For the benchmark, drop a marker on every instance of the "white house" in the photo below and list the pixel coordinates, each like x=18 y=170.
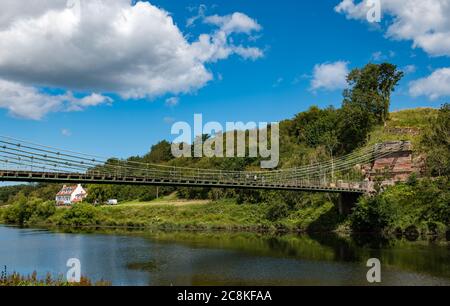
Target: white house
x=70 y=195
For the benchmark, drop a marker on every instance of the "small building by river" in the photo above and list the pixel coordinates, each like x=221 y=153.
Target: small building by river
x=70 y=195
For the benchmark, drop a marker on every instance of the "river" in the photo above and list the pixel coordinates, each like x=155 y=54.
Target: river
x=160 y=258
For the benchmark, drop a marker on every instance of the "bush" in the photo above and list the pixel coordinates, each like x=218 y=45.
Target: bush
x=80 y=215
x=25 y=211
x=370 y=215
x=421 y=203
x=277 y=211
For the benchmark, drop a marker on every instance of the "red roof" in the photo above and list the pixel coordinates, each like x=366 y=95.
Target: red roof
x=67 y=190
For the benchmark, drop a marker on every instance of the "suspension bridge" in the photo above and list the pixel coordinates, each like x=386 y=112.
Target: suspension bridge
x=22 y=161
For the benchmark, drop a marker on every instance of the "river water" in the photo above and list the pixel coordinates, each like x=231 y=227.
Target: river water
x=159 y=258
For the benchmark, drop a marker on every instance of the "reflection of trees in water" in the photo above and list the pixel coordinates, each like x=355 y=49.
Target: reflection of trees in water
x=422 y=256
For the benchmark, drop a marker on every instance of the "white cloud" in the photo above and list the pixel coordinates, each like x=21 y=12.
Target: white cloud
x=217 y=46
x=330 y=76
x=13 y=10
x=169 y=120
x=434 y=86
x=27 y=102
x=66 y=132
x=235 y=23
x=200 y=15
x=173 y=101
x=408 y=69
x=30 y=103
x=379 y=56
x=79 y=104
x=278 y=82
x=352 y=10
x=107 y=47
x=425 y=22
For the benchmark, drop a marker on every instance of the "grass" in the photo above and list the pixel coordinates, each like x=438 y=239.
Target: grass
x=17 y=280
x=174 y=214
x=417 y=117
x=398 y=124
x=170 y=200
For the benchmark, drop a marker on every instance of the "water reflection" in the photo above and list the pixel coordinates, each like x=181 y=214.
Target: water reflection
x=182 y=258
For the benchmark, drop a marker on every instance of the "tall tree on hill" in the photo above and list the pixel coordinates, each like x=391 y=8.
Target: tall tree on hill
x=366 y=103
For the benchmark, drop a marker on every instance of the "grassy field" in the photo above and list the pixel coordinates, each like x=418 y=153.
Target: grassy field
x=171 y=213
x=168 y=214
x=400 y=122
x=417 y=117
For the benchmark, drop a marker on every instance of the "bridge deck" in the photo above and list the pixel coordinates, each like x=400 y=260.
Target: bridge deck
x=54 y=177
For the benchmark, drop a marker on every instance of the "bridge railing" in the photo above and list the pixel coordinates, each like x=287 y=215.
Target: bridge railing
x=24 y=156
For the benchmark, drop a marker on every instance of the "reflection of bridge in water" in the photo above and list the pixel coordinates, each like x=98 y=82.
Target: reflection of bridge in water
x=22 y=161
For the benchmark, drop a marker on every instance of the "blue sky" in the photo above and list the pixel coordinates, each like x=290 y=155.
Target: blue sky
x=294 y=38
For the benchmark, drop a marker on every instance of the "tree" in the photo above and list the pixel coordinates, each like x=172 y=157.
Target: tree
x=331 y=142
x=371 y=88
x=99 y=194
x=354 y=125
x=313 y=126
x=159 y=153
x=436 y=143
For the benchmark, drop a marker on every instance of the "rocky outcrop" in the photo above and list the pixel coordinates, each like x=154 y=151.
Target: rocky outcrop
x=394 y=166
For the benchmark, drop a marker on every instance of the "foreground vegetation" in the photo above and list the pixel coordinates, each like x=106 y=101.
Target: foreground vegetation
x=17 y=280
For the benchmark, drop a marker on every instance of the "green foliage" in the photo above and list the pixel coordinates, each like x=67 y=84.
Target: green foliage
x=312 y=136
x=99 y=194
x=371 y=88
x=25 y=211
x=9 y=192
x=370 y=215
x=413 y=118
x=354 y=126
x=366 y=103
x=193 y=193
x=421 y=203
x=277 y=211
x=436 y=143
x=80 y=215
x=17 y=280
x=315 y=126
x=159 y=153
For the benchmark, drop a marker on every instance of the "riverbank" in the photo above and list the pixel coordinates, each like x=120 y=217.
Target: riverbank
x=418 y=208
x=174 y=214
x=185 y=258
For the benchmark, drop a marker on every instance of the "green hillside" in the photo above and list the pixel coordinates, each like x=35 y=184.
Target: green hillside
x=312 y=136
x=406 y=124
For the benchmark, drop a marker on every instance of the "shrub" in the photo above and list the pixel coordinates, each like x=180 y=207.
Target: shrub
x=25 y=211
x=370 y=215
x=277 y=211
x=418 y=203
x=80 y=215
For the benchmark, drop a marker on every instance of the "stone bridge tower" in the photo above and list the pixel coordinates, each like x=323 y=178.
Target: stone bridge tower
x=395 y=166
